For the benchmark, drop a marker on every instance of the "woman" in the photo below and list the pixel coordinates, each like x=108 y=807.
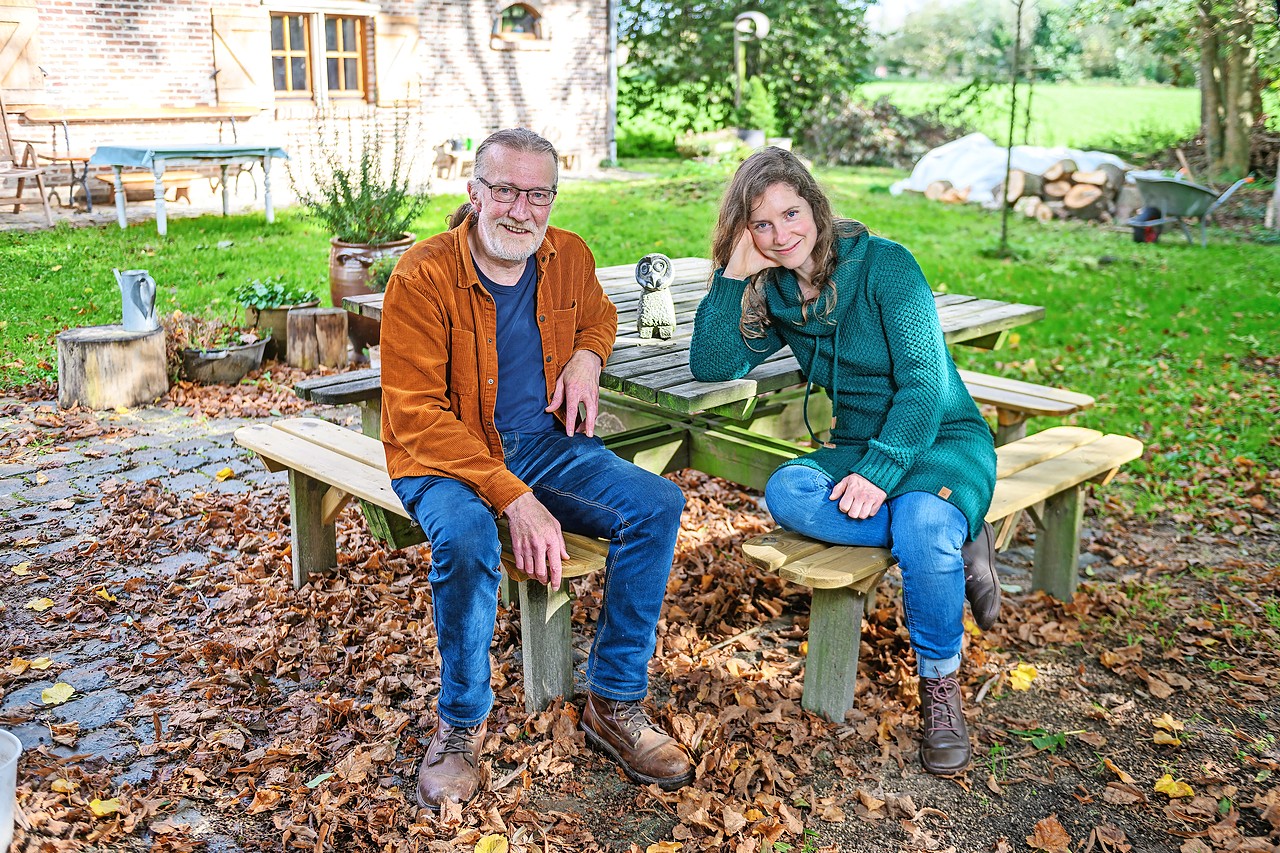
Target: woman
x=909 y=463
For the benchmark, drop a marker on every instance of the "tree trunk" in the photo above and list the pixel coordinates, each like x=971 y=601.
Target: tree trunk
x=1085 y=201
x=1210 y=85
x=102 y=367
x=934 y=191
x=1054 y=190
x=1241 y=71
x=1058 y=171
x=317 y=336
x=1021 y=184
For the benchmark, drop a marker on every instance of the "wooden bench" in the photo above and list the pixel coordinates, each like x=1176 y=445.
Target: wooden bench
x=329 y=465
x=1015 y=401
x=178 y=180
x=359 y=387
x=1044 y=474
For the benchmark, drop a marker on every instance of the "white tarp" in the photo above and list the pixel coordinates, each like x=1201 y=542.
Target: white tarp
x=974 y=161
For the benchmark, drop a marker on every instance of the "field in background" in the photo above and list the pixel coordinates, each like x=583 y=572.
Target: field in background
x=1075 y=115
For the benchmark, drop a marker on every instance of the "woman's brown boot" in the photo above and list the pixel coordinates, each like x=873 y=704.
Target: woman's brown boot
x=944 y=746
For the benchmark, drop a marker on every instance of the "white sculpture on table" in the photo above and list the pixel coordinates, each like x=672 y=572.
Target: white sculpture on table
x=656 y=315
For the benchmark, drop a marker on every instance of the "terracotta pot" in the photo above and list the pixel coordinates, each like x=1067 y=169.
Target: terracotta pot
x=348 y=273
x=277 y=320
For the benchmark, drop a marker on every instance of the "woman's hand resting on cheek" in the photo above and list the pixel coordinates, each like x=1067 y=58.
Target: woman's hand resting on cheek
x=746 y=259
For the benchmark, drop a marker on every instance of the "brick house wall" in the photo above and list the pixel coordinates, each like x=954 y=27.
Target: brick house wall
x=460 y=81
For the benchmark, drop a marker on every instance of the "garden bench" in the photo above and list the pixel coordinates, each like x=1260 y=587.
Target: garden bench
x=1043 y=474
x=359 y=387
x=1015 y=401
x=329 y=465
x=178 y=180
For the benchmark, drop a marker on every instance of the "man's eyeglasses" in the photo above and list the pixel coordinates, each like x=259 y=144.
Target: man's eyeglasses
x=504 y=194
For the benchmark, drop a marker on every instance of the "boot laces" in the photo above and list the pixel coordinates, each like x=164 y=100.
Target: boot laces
x=633 y=717
x=942 y=715
x=459 y=740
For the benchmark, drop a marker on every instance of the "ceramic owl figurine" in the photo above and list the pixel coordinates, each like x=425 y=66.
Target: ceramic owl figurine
x=656 y=316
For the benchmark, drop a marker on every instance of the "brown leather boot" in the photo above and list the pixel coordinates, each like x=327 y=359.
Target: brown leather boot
x=944 y=748
x=450 y=771
x=981 y=583
x=624 y=731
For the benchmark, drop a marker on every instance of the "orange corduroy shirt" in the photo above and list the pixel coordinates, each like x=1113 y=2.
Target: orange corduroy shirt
x=440 y=364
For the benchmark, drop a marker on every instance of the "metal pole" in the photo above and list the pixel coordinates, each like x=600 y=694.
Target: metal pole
x=739 y=67
x=611 y=115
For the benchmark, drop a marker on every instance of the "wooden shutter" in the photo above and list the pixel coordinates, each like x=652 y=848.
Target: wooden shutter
x=20 y=77
x=395 y=58
x=242 y=56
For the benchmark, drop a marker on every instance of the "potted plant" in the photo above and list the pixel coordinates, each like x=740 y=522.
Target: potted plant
x=362 y=190
x=211 y=351
x=267 y=302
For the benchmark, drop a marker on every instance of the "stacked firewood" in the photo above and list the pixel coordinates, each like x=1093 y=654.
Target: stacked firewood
x=1061 y=192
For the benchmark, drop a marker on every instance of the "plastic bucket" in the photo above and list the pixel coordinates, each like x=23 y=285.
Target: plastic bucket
x=10 y=750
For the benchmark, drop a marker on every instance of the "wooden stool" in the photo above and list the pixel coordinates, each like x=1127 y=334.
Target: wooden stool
x=102 y=367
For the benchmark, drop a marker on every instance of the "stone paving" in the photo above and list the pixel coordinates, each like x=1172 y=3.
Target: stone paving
x=50 y=498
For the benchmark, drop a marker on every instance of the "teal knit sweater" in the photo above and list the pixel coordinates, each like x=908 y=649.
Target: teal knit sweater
x=903 y=418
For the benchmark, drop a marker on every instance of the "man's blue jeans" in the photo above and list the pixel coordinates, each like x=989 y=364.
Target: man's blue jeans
x=925 y=533
x=590 y=491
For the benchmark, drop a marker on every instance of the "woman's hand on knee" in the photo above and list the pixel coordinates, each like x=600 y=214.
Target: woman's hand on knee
x=858 y=496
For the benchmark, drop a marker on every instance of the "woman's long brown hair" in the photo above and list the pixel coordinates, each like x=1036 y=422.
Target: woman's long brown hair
x=757 y=173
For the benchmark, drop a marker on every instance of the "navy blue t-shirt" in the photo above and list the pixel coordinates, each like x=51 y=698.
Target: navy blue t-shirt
x=522 y=389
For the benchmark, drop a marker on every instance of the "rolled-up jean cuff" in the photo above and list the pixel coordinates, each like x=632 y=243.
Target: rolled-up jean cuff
x=929 y=668
x=458 y=724
x=614 y=696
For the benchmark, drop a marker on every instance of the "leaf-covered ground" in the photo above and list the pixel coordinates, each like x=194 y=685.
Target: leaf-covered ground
x=247 y=716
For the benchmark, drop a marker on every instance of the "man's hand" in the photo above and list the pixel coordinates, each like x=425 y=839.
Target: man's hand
x=858 y=496
x=579 y=382
x=536 y=541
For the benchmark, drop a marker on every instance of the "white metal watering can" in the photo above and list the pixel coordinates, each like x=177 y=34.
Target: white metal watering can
x=138 y=293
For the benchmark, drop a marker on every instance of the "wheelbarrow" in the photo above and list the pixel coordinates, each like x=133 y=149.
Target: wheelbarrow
x=1179 y=201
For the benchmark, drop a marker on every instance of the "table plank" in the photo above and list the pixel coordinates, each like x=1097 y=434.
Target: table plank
x=658 y=372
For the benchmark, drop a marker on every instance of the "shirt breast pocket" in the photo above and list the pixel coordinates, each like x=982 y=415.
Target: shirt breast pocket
x=464 y=376
x=564 y=323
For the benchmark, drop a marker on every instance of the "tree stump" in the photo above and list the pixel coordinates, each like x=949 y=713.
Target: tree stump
x=1060 y=171
x=102 y=367
x=1022 y=184
x=934 y=191
x=317 y=336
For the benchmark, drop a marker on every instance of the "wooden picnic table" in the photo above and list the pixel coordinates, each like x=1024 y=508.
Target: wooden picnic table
x=658 y=372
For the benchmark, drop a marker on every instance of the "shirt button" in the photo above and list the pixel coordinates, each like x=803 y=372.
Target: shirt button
x=542 y=318
x=490 y=340
x=490 y=381
x=548 y=359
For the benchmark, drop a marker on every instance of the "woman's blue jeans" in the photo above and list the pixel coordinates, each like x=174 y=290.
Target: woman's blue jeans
x=925 y=533
x=591 y=492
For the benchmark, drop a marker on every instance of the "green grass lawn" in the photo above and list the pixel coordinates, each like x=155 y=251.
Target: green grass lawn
x=1075 y=115
x=1177 y=343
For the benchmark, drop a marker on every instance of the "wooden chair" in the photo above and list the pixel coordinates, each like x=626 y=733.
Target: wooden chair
x=20 y=164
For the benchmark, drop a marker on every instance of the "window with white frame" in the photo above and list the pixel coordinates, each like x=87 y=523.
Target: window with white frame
x=320 y=53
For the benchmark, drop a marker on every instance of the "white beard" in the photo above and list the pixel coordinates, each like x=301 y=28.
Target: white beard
x=503 y=244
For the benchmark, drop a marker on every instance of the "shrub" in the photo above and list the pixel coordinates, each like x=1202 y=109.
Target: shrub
x=758 y=111
x=876 y=134
x=712 y=145
x=360 y=185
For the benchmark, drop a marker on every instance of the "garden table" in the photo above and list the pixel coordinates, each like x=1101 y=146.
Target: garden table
x=158 y=157
x=675 y=421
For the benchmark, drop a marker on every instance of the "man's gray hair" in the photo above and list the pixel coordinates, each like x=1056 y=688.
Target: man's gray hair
x=516 y=139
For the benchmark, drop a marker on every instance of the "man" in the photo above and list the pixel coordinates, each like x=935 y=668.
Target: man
x=493 y=337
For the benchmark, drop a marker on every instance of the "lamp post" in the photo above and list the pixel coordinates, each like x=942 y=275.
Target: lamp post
x=749 y=26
